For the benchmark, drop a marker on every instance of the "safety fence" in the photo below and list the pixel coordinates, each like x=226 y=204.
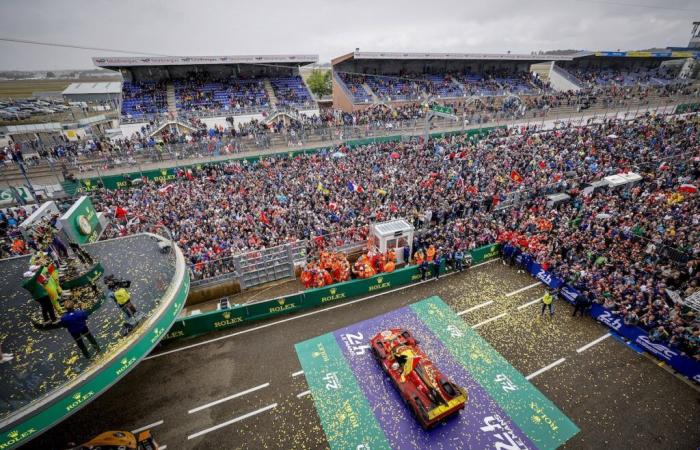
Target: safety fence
x=243 y=314
x=640 y=337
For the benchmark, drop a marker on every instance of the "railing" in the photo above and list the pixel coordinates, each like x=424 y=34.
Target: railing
x=119 y=160
x=565 y=74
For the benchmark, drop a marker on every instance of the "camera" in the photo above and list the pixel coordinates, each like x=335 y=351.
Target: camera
x=114 y=282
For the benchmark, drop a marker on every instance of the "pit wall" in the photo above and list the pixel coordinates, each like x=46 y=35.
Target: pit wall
x=312 y=298
x=123 y=180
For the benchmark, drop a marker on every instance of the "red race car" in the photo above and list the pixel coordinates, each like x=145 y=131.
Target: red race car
x=431 y=396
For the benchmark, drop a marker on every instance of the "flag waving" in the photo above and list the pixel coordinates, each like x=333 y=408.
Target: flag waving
x=515 y=176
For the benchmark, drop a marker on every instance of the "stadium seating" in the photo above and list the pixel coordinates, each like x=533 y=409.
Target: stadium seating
x=214 y=95
x=592 y=76
x=411 y=86
x=291 y=91
x=353 y=84
x=143 y=98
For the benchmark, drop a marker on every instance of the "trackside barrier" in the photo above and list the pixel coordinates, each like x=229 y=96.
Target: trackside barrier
x=673 y=357
x=687 y=108
x=312 y=298
x=123 y=180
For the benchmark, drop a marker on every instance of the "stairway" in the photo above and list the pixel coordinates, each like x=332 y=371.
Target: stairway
x=542 y=70
x=461 y=86
x=172 y=102
x=270 y=93
x=371 y=93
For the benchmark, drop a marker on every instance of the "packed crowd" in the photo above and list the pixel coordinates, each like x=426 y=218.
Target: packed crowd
x=278 y=200
x=596 y=76
x=203 y=93
x=413 y=86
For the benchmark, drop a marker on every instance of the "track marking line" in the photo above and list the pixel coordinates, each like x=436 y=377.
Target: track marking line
x=303 y=394
x=151 y=425
x=234 y=420
x=296 y=374
x=311 y=313
x=592 y=343
x=474 y=308
x=162 y=447
x=545 y=368
x=489 y=320
x=530 y=303
x=510 y=294
x=230 y=397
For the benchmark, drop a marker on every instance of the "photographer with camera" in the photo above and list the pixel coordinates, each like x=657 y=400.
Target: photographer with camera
x=117 y=291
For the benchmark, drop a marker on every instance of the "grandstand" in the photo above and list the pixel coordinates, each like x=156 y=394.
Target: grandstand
x=364 y=78
x=361 y=79
x=211 y=88
x=604 y=69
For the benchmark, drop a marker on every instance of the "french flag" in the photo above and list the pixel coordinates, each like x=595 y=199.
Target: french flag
x=352 y=187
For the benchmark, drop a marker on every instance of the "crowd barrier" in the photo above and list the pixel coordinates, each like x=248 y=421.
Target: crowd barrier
x=681 y=363
x=687 y=108
x=312 y=298
x=123 y=180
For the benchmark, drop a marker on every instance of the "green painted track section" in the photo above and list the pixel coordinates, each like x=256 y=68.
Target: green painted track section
x=536 y=415
x=345 y=415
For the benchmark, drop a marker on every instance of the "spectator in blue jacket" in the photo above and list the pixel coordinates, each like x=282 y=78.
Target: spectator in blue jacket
x=76 y=322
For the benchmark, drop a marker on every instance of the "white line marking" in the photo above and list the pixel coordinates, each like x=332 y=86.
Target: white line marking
x=592 y=343
x=296 y=374
x=510 y=294
x=234 y=420
x=488 y=320
x=162 y=447
x=302 y=394
x=230 y=397
x=473 y=308
x=530 y=303
x=152 y=425
x=545 y=368
x=318 y=311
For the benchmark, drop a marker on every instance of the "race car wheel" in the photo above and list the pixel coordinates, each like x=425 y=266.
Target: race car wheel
x=376 y=352
x=421 y=409
x=449 y=389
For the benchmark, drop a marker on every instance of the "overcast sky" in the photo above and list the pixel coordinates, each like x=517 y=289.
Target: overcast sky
x=330 y=28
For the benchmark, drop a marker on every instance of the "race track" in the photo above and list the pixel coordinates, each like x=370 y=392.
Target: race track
x=243 y=388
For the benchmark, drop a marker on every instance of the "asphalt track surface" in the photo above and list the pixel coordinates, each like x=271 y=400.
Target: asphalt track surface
x=242 y=388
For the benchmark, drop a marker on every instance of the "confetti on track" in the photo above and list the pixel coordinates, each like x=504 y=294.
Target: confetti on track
x=52 y=355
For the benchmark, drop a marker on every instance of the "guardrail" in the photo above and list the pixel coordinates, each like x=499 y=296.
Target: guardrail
x=312 y=298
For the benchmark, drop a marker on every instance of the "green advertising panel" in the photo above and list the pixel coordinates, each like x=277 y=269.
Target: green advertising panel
x=80 y=222
x=312 y=298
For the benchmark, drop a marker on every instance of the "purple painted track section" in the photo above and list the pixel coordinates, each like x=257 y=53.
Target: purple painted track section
x=399 y=426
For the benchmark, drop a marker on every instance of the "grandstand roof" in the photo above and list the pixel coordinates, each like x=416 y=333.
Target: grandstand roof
x=449 y=56
x=112 y=87
x=139 y=61
x=656 y=54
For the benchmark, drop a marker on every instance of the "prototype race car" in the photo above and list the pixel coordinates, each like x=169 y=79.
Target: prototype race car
x=120 y=440
x=431 y=396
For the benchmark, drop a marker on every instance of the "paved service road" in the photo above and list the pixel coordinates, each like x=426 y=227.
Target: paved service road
x=242 y=388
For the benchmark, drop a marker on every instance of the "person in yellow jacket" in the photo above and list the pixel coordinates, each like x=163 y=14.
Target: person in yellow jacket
x=548 y=302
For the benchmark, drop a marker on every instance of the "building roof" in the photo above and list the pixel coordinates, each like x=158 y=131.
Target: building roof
x=391 y=227
x=449 y=56
x=137 y=61
x=111 y=87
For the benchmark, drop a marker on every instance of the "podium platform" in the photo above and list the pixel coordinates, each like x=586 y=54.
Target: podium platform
x=49 y=378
